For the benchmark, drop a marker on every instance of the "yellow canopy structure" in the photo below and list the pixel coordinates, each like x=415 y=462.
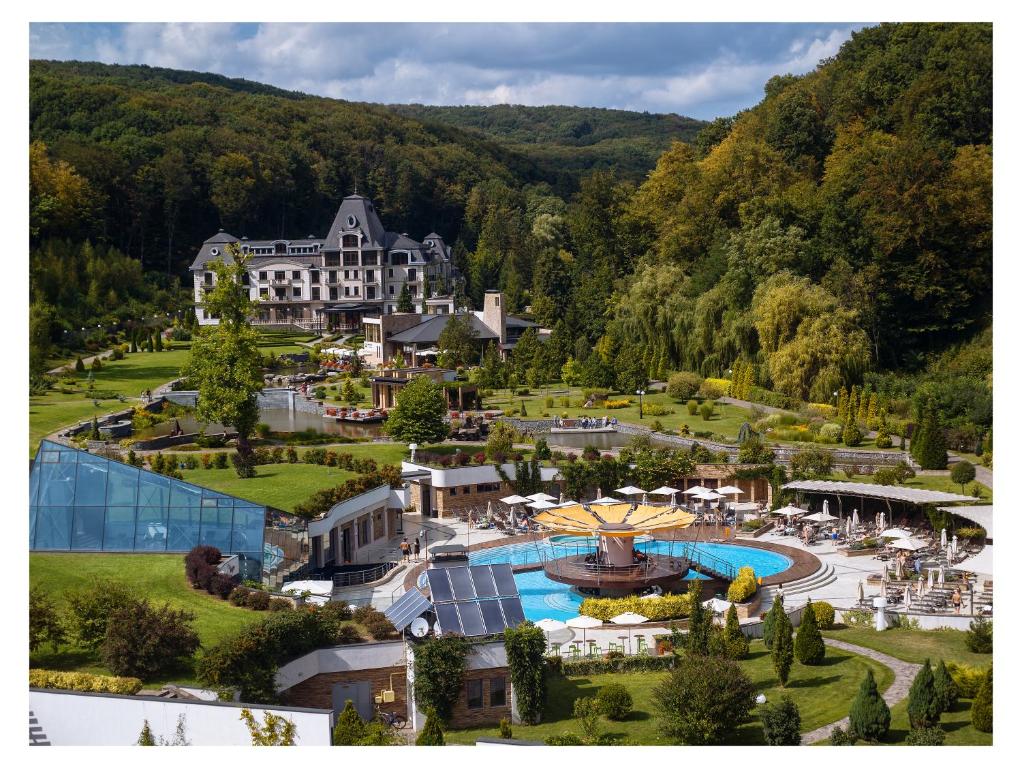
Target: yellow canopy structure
x=613 y=513
x=614 y=519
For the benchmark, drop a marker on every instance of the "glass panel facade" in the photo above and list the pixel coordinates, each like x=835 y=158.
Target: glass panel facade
x=83 y=502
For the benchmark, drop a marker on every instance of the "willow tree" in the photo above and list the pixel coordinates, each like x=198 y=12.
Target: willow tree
x=225 y=363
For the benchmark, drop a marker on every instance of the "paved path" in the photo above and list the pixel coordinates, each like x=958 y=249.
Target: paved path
x=904 y=674
x=87 y=361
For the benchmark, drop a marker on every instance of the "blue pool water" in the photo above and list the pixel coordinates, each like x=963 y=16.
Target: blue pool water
x=543 y=598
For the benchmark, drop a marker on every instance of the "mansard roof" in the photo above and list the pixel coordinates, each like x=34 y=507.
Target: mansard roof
x=366 y=219
x=214 y=249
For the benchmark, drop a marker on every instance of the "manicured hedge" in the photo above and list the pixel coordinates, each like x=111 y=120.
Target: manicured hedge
x=82 y=681
x=584 y=667
x=653 y=608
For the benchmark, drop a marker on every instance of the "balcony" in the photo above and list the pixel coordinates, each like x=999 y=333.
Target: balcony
x=285 y=281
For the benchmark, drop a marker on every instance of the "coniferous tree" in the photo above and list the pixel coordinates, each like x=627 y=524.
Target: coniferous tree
x=983 y=705
x=851 y=435
x=782 y=723
x=145 y=738
x=929 y=446
x=432 y=734
x=733 y=641
x=944 y=686
x=809 y=647
x=873 y=411
x=883 y=438
x=862 y=415
x=697 y=641
x=782 y=651
x=350 y=728
x=404 y=300
x=842 y=405
x=159 y=341
x=923 y=704
x=776 y=609
x=79 y=365
x=869 y=717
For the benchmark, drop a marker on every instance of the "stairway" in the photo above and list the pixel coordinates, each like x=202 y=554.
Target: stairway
x=823 y=576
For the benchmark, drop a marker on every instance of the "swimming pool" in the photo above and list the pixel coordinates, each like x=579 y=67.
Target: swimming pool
x=543 y=598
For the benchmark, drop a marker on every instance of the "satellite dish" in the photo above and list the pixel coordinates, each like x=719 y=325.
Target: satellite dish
x=436 y=629
x=419 y=627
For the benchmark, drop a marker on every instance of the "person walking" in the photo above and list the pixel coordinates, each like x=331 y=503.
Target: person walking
x=404 y=550
x=956 y=599
x=416 y=549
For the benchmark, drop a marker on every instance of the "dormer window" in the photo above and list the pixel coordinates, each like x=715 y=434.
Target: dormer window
x=279 y=248
x=349 y=241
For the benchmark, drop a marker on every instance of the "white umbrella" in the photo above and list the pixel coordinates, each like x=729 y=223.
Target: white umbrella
x=919 y=587
x=693 y=490
x=562 y=498
x=895 y=533
x=583 y=623
x=629 y=490
x=708 y=496
x=664 y=490
x=929 y=579
x=550 y=625
x=883 y=521
x=855 y=518
x=605 y=500
x=862 y=592
x=943 y=538
x=897 y=569
x=950 y=554
x=820 y=517
x=848 y=526
x=908 y=598
x=731 y=490
x=908 y=544
x=629 y=618
x=789 y=511
x=516 y=499
x=542 y=497
x=954 y=544
x=940 y=574
x=541 y=504
x=717 y=605
x=826 y=506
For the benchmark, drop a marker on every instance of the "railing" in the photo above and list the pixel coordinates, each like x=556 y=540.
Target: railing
x=716 y=565
x=364 y=576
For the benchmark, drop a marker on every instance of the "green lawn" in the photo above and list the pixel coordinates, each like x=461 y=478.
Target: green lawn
x=915 y=645
x=276 y=485
x=127 y=377
x=823 y=694
x=158 y=577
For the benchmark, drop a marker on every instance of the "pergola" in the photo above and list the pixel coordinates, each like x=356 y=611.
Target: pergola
x=887 y=493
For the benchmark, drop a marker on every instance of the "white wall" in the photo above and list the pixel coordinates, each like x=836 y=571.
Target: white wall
x=99 y=719
x=339 y=659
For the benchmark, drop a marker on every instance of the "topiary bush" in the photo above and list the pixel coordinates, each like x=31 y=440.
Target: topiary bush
x=615 y=701
x=221 y=585
x=280 y=604
x=661 y=608
x=350 y=728
x=824 y=614
x=926 y=737
x=869 y=717
x=923 y=704
x=82 y=681
x=505 y=729
x=967 y=680
x=432 y=734
x=200 y=565
x=744 y=585
x=809 y=647
x=683 y=385
x=945 y=688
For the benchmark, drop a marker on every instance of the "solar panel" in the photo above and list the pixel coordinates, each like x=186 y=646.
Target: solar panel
x=407 y=608
x=439 y=586
x=504 y=580
x=513 y=613
x=461 y=581
x=482 y=577
x=471 y=620
x=447 y=618
x=492 y=616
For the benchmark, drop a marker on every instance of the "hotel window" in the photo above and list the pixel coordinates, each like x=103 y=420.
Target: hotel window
x=391 y=289
x=296 y=275
x=454 y=491
x=278 y=275
x=390 y=273
x=351 y=258
x=296 y=291
x=370 y=275
x=333 y=294
x=411 y=275
x=347 y=291
x=264 y=293
x=356 y=290
x=332 y=259
x=314 y=276
x=262 y=275
x=371 y=292
x=498 y=692
x=331 y=276
x=208 y=278
x=397 y=259
x=244 y=279
x=474 y=694
x=315 y=293
x=350 y=241
x=369 y=259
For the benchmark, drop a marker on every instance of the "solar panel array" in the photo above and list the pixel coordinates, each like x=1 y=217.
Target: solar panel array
x=407 y=608
x=475 y=600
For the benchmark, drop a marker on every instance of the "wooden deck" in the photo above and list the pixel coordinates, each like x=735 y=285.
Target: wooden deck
x=659 y=571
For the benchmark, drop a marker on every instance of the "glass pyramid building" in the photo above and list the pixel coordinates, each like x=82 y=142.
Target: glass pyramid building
x=81 y=502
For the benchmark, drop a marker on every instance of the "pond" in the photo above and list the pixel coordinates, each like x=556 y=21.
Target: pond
x=279 y=420
x=600 y=440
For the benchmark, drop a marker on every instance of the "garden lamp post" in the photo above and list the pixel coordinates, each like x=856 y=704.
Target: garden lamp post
x=835 y=397
x=640 y=393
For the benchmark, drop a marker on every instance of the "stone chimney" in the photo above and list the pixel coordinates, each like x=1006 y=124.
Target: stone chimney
x=494 y=316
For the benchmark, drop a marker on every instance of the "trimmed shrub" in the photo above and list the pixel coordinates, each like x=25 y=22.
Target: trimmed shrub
x=347 y=634
x=926 y=737
x=683 y=385
x=661 y=608
x=615 y=701
x=744 y=585
x=200 y=566
x=706 y=411
x=983 y=705
x=711 y=389
x=967 y=680
x=280 y=604
x=869 y=717
x=221 y=585
x=842 y=738
x=622 y=663
x=923 y=704
x=782 y=723
x=143 y=640
x=809 y=647
x=692 y=407
x=350 y=728
x=238 y=596
x=257 y=600
x=220 y=460
x=379 y=627
x=824 y=613
x=82 y=681
x=505 y=729
x=431 y=734
x=88 y=611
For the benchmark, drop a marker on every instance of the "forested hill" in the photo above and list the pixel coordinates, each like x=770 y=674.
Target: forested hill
x=573 y=138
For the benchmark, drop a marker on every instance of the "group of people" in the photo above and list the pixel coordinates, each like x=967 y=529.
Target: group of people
x=408 y=551
x=146 y=397
x=587 y=422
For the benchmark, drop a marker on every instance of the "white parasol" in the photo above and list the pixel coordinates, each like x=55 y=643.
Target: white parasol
x=717 y=605
x=583 y=623
x=826 y=506
x=919 y=586
x=694 y=490
x=940 y=574
x=896 y=533
x=908 y=598
x=629 y=490
x=862 y=592
x=819 y=517
x=929 y=579
x=789 y=511
x=629 y=618
x=708 y=496
x=605 y=500
x=516 y=499
x=562 y=498
x=950 y=555
x=541 y=504
x=910 y=545
x=855 y=518
x=954 y=544
x=943 y=538
x=883 y=521
x=549 y=626
x=542 y=497
x=664 y=490
x=730 y=490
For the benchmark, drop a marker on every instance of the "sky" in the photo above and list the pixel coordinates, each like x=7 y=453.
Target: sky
x=699 y=70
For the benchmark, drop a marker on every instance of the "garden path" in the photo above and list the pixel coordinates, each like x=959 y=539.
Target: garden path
x=904 y=674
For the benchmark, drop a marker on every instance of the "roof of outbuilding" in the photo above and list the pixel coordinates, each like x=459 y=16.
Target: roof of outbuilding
x=875 y=491
x=429 y=331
